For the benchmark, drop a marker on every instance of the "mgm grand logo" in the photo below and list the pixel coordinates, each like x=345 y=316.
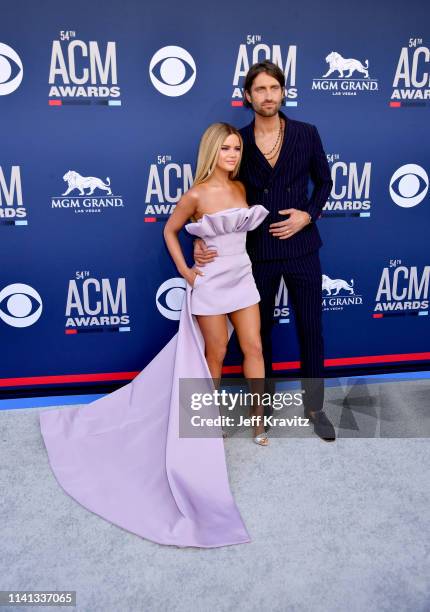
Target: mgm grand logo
x=86 y=194
x=338 y=293
x=345 y=76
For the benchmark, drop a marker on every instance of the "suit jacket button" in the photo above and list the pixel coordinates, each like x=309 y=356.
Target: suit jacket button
x=288 y=189
x=266 y=190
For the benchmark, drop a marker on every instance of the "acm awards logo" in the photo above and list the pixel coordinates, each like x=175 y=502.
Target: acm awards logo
x=93 y=304
x=83 y=73
x=411 y=83
x=339 y=293
x=20 y=305
x=167 y=182
x=172 y=71
x=11 y=70
x=350 y=194
x=402 y=290
x=86 y=194
x=345 y=76
x=281 y=312
x=12 y=208
x=253 y=51
x=409 y=185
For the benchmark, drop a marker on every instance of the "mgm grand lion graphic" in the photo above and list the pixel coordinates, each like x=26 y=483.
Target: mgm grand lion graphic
x=335 y=285
x=76 y=181
x=339 y=63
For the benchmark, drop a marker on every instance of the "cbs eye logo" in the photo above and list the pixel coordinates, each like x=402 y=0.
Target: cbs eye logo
x=409 y=185
x=172 y=71
x=11 y=70
x=170 y=296
x=17 y=301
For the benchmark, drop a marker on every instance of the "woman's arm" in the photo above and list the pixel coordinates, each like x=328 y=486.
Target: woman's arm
x=185 y=208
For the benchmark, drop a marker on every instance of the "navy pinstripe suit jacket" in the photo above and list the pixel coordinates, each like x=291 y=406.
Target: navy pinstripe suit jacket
x=286 y=186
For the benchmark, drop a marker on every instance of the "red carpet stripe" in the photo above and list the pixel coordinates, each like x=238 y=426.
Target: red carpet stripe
x=233 y=369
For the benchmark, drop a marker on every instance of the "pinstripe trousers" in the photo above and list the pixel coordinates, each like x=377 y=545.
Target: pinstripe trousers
x=302 y=277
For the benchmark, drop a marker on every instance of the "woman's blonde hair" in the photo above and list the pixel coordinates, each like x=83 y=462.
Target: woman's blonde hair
x=209 y=148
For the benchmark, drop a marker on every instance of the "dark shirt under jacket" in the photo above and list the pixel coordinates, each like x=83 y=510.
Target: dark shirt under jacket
x=286 y=186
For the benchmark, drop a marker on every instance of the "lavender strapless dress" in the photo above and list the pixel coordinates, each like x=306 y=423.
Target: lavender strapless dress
x=121 y=456
x=228 y=283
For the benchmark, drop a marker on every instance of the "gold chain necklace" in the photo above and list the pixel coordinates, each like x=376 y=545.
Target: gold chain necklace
x=277 y=139
x=278 y=142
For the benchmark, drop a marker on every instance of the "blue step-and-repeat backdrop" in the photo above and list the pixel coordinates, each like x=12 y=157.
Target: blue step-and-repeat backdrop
x=102 y=106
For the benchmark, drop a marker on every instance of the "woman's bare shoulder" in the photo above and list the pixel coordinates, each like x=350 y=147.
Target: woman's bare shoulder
x=241 y=190
x=192 y=200
x=196 y=192
x=240 y=186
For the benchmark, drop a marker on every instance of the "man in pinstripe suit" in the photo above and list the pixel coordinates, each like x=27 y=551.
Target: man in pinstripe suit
x=279 y=157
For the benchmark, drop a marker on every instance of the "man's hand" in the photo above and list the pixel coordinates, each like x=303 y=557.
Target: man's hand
x=203 y=255
x=296 y=222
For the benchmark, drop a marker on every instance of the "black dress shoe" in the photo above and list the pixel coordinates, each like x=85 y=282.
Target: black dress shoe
x=323 y=427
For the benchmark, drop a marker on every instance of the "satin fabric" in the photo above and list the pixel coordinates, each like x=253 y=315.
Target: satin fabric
x=121 y=456
x=228 y=283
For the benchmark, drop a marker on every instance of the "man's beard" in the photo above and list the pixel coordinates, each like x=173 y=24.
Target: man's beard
x=268 y=112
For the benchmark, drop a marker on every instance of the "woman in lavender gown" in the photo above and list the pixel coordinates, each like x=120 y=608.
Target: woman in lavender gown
x=121 y=456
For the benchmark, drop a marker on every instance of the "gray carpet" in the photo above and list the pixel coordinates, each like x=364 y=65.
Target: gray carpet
x=335 y=526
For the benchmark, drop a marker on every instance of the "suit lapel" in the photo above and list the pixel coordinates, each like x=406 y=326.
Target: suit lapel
x=287 y=148
x=256 y=155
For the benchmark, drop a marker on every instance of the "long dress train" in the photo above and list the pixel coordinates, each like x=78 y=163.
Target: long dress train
x=121 y=456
